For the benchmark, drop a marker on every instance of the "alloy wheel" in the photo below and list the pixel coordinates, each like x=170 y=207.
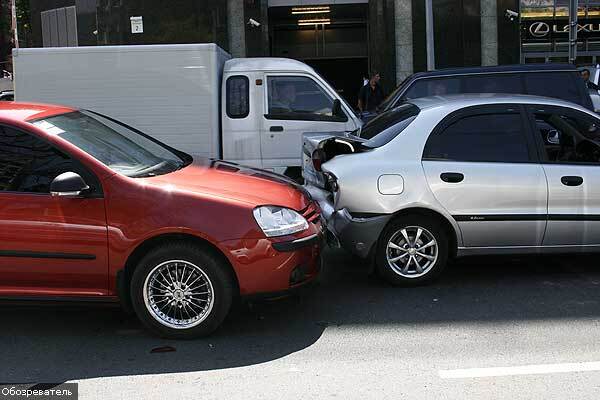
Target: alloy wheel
x=412 y=251
x=178 y=294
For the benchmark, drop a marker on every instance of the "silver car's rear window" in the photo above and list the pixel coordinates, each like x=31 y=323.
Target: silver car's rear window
x=386 y=126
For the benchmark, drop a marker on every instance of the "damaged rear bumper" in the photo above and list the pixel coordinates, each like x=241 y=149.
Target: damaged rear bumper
x=356 y=235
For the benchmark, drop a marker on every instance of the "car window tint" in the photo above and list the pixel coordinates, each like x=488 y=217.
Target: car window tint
x=238 y=90
x=116 y=145
x=496 y=83
x=480 y=138
x=569 y=137
x=386 y=126
x=433 y=87
x=298 y=97
x=392 y=99
x=560 y=85
x=27 y=164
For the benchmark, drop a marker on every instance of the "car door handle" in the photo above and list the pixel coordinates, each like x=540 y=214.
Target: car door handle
x=276 y=129
x=571 y=180
x=452 y=177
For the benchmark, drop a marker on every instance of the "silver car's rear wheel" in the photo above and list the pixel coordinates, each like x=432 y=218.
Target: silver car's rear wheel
x=178 y=294
x=412 y=251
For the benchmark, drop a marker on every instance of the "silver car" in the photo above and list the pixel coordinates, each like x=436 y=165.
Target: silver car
x=460 y=175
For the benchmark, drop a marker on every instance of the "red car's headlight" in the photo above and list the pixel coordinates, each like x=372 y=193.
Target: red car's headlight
x=279 y=221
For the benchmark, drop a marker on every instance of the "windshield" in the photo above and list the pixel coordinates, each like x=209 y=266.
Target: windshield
x=338 y=97
x=121 y=148
x=386 y=126
x=387 y=102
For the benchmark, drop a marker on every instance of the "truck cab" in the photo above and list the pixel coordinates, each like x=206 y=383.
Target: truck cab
x=268 y=103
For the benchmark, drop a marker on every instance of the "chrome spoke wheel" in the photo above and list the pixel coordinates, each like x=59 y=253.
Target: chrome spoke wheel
x=178 y=294
x=412 y=251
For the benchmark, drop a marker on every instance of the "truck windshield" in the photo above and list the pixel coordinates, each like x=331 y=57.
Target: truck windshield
x=123 y=149
x=349 y=107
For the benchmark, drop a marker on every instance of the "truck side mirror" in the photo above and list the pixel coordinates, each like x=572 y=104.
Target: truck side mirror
x=336 y=109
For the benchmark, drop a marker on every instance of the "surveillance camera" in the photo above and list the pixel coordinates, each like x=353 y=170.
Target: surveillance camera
x=510 y=14
x=253 y=23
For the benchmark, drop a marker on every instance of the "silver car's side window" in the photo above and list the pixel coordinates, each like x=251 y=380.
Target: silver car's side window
x=485 y=137
x=568 y=136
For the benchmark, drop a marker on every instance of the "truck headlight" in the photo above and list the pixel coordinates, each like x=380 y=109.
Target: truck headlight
x=279 y=221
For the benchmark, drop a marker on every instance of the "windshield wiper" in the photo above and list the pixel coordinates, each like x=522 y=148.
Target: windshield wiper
x=161 y=168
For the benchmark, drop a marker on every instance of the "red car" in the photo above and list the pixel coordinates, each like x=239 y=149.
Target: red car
x=92 y=209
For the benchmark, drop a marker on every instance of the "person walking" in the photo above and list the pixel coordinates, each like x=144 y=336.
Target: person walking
x=585 y=75
x=370 y=95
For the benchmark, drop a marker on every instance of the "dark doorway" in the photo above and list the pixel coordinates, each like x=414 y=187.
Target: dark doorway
x=344 y=74
x=333 y=39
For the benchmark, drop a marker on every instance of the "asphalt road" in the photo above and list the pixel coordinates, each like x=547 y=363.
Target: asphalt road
x=490 y=328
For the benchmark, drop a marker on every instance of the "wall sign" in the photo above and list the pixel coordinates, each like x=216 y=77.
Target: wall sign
x=550 y=29
x=137 y=24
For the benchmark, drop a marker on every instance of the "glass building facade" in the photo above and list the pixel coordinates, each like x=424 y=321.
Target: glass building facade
x=175 y=21
x=107 y=22
x=545 y=31
x=363 y=36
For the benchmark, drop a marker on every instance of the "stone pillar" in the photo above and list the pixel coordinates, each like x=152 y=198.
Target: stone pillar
x=382 y=49
x=489 y=32
x=404 y=39
x=264 y=20
x=236 y=28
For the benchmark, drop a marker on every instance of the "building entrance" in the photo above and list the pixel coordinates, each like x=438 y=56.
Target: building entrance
x=333 y=39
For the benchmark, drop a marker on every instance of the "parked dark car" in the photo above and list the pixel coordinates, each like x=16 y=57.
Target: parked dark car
x=561 y=81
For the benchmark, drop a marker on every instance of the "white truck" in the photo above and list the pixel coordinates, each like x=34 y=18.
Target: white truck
x=194 y=97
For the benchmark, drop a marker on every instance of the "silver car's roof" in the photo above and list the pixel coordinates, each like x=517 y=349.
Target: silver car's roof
x=458 y=101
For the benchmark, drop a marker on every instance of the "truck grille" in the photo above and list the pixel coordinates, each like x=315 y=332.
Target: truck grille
x=312 y=213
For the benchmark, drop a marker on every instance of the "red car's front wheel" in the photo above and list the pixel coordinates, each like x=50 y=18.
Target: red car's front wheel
x=181 y=291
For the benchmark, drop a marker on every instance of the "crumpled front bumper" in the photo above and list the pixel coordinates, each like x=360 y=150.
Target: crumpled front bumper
x=357 y=235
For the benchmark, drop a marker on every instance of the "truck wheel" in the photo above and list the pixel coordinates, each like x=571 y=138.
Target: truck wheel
x=181 y=291
x=412 y=250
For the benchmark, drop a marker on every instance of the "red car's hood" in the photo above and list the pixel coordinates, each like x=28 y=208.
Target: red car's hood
x=231 y=181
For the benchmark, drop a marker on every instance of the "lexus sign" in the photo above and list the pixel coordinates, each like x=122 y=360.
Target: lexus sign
x=539 y=29
x=559 y=30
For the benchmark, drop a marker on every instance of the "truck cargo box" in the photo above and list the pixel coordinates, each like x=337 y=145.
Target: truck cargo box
x=170 y=92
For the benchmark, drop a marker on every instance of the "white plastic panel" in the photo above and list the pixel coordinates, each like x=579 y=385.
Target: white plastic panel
x=170 y=92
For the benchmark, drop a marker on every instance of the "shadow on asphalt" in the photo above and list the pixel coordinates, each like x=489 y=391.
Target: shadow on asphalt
x=54 y=344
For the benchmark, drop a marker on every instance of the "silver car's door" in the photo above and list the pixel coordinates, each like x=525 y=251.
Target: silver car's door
x=482 y=167
x=568 y=141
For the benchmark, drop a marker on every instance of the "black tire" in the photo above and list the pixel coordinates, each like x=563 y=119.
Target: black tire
x=433 y=227
x=213 y=268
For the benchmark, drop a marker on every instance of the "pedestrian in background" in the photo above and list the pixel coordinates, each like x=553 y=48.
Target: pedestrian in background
x=585 y=74
x=370 y=95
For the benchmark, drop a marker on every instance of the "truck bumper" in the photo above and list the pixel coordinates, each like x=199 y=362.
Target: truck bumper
x=356 y=235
